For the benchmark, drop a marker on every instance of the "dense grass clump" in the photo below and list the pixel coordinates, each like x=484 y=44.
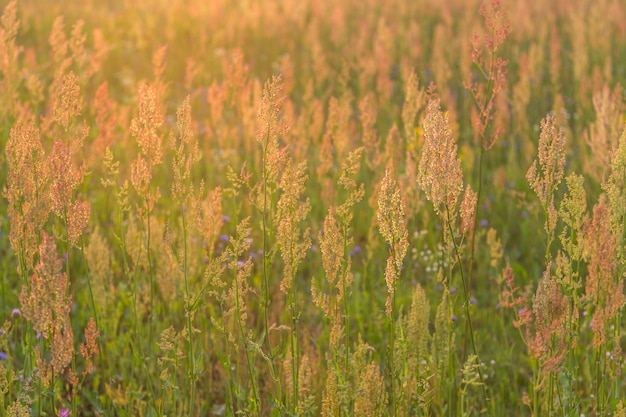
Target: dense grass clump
x=312 y=208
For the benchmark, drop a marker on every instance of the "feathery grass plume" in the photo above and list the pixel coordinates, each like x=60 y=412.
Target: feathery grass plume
x=170 y=357
x=512 y=297
x=209 y=218
x=439 y=172
x=392 y=225
x=368 y=114
x=412 y=194
x=158 y=68
x=355 y=192
x=98 y=255
x=331 y=397
x=290 y=211
x=77 y=220
x=333 y=303
x=442 y=345
x=600 y=139
x=615 y=188
x=484 y=52
x=572 y=211
x=18 y=409
x=603 y=288
x=336 y=141
x=550 y=341
x=384 y=46
x=98 y=55
x=9 y=55
x=136 y=262
x=65 y=178
x=414 y=98
x=215 y=97
x=331 y=246
x=335 y=240
x=145 y=127
x=370 y=395
x=59 y=45
x=46 y=304
x=68 y=103
x=546 y=173
x=186 y=155
x=133 y=241
x=76 y=46
x=495 y=247
x=306 y=386
x=166 y=261
x=417 y=375
x=89 y=347
x=236 y=300
x=106 y=119
x=25 y=192
x=394 y=151
x=66 y=172
x=236 y=75
x=468 y=210
x=470 y=377
x=293 y=244
x=62 y=346
x=270 y=124
x=444 y=74
x=270 y=128
x=5 y=377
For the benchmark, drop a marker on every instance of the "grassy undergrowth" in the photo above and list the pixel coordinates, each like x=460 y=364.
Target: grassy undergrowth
x=294 y=207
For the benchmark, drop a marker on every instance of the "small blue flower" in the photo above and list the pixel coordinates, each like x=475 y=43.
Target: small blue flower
x=3 y=356
x=355 y=250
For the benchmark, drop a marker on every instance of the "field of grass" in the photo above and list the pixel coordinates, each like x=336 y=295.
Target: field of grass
x=312 y=208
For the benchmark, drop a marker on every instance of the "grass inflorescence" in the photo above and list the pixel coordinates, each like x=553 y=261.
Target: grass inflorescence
x=312 y=208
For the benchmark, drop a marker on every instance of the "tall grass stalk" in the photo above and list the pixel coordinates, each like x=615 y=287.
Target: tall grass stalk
x=466 y=309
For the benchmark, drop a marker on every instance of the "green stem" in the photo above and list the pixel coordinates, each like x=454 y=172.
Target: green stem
x=466 y=309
